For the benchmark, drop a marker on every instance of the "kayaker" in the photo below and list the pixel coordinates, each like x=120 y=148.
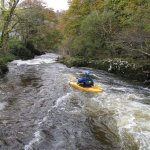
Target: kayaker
x=86 y=80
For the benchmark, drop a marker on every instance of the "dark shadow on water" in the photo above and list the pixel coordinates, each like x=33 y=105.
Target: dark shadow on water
x=30 y=80
x=105 y=134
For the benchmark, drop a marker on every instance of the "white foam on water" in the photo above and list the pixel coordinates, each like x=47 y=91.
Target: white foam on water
x=119 y=88
x=131 y=116
x=35 y=61
x=3 y=105
x=43 y=59
x=61 y=99
x=43 y=120
x=37 y=138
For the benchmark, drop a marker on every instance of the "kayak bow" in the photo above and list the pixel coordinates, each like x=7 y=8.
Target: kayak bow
x=96 y=89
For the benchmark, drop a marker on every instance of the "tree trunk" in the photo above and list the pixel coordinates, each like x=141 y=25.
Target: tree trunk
x=7 y=21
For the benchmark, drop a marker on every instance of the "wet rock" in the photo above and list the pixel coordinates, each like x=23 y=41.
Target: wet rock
x=147 y=81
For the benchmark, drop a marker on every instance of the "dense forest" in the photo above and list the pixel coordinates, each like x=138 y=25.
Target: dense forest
x=112 y=35
x=114 y=28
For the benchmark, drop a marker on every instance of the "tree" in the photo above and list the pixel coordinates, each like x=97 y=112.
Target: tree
x=37 y=24
x=97 y=31
x=7 y=18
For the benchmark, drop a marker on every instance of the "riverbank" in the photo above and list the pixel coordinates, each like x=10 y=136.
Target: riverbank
x=128 y=69
x=17 y=52
x=4 y=59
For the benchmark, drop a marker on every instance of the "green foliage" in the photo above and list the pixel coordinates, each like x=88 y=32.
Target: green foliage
x=4 y=59
x=18 y=49
x=38 y=24
x=8 y=10
x=13 y=43
x=54 y=39
x=95 y=32
x=97 y=28
x=51 y=40
x=74 y=61
x=7 y=57
x=72 y=27
x=21 y=50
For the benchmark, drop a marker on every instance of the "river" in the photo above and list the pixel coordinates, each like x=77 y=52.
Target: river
x=40 y=111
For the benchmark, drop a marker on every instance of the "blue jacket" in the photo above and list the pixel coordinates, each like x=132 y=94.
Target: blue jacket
x=86 y=81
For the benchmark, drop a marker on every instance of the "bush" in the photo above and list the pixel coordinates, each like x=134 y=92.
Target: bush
x=23 y=51
x=3 y=62
x=33 y=50
x=13 y=43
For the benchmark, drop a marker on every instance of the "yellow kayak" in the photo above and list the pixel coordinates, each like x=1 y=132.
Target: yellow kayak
x=90 y=89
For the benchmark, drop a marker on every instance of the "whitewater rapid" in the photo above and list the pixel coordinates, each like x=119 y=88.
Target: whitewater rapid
x=39 y=110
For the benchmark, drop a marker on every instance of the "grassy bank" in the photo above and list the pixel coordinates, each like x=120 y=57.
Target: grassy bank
x=126 y=68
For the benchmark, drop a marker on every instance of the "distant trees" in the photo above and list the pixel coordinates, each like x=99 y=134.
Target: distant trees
x=27 y=21
x=37 y=24
x=90 y=28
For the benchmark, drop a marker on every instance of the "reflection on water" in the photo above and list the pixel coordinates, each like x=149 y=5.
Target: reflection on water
x=39 y=110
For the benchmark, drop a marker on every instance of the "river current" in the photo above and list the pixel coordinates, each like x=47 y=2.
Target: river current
x=40 y=111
